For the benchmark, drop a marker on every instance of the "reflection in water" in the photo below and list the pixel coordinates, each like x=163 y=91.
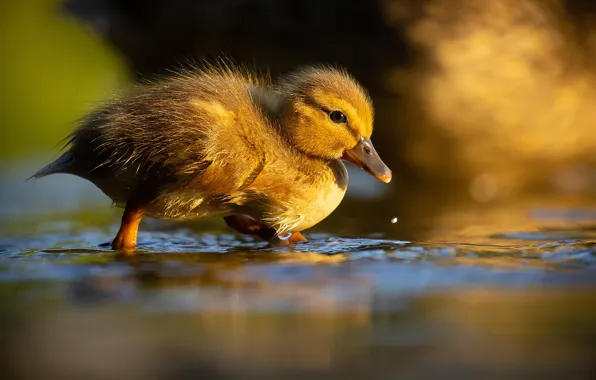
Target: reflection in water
x=465 y=333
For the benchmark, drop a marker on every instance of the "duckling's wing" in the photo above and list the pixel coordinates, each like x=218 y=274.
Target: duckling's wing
x=229 y=175
x=219 y=184
x=232 y=138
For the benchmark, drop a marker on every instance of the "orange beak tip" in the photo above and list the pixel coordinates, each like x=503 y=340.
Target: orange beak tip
x=385 y=177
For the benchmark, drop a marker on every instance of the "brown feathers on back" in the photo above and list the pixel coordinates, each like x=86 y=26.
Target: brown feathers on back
x=176 y=123
x=171 y=130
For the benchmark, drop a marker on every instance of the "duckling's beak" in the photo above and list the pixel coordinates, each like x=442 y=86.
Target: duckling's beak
x=366 y=157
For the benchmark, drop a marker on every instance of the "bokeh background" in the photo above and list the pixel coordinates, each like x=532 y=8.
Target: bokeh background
x=485 y=111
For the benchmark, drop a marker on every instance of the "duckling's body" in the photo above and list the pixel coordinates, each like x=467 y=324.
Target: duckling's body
x=216 y=142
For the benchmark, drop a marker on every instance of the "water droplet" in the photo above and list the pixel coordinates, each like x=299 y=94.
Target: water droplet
x=394 y=220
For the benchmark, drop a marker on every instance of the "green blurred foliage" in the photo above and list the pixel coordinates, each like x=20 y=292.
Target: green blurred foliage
x=52 y=71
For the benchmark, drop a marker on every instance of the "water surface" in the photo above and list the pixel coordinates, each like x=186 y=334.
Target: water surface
x=453 y=288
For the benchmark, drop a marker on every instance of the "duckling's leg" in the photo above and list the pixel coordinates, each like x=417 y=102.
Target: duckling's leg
x=126 y=239
x=250 y=226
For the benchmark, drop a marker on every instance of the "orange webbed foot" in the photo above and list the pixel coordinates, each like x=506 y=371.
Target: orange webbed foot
x=296 y=237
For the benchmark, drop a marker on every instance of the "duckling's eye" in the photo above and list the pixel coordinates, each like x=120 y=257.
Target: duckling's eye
x=338 y=117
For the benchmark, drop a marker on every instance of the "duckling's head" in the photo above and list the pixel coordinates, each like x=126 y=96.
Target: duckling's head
x=327 y=114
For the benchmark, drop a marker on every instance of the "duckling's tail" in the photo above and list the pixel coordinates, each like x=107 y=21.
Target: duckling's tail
x=60 y=165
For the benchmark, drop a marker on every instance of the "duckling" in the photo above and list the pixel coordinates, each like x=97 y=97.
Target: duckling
x=221 y=141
